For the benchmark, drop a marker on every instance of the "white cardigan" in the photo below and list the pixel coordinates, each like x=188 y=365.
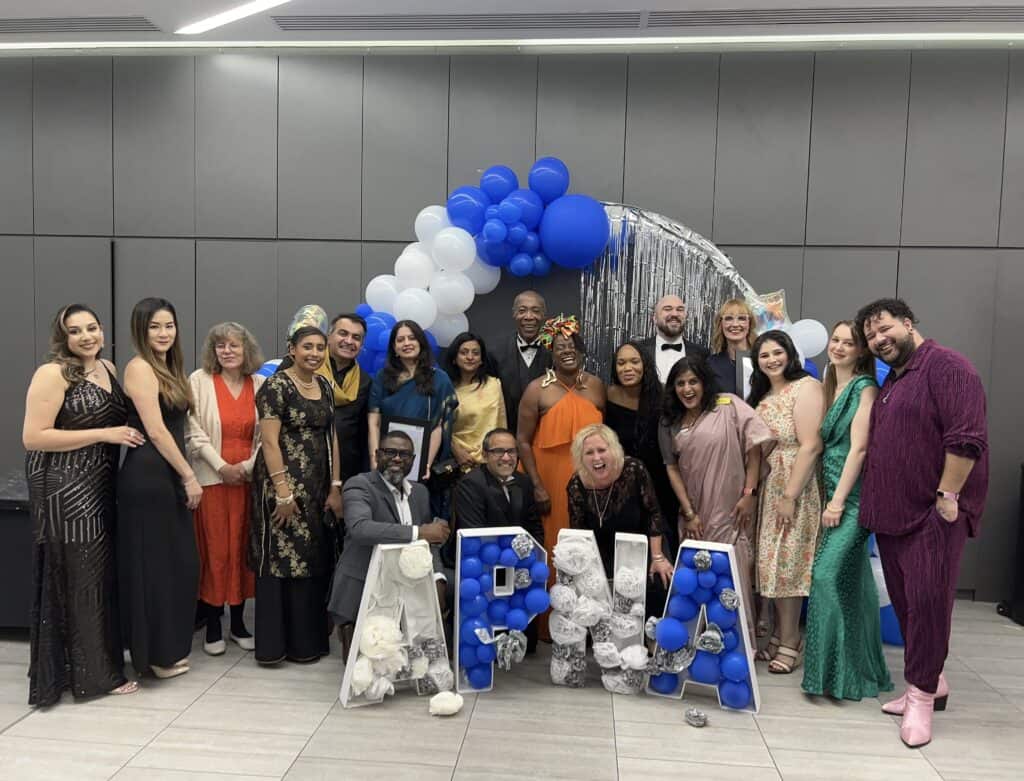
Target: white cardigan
x=202 y=430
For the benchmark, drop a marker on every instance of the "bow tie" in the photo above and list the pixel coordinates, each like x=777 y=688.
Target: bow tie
x=529 y=346
x=677 y=347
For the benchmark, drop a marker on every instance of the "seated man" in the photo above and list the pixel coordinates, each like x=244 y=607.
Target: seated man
x=381 y=507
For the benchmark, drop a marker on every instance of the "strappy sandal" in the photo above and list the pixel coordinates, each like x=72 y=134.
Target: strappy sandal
x=129 y=687
x=769 y=651
x=790 y=659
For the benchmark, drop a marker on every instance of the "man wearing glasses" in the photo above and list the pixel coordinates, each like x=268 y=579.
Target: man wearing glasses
x=382 y=507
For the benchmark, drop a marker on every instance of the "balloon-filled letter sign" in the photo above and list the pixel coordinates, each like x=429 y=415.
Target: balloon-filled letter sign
x=501 y=586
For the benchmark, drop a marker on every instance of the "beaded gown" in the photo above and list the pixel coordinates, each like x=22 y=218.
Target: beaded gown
x=75 y=638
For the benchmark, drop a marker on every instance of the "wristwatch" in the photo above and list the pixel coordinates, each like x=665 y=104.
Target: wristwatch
x=750 y=491
x=953 y=497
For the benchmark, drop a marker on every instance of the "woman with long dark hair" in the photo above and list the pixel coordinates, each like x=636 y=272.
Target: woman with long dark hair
x=157 y=491
x=75 y=415
x=791 y=402
x=481 y=402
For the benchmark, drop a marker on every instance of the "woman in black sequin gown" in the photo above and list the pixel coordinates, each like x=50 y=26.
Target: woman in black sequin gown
x=74 y=422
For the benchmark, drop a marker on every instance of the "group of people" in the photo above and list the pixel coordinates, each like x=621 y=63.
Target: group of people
x=234 y=487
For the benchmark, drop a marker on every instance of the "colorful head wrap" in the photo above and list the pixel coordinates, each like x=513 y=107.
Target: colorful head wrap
x=310 y=314
x=555 y=326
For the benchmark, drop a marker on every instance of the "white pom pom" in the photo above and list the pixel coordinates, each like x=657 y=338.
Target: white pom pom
x=606 y=655
x=630 y=582
x=362 y=675
x=381 y=637
x=634 y=657
x=564 y=630
x=441 y=674
x=379 y=689
x=390 y=665
x=415 y=561
x=592 y=583
x=563 y=598
x=445 y=704
x=589 y=611
x=420 y=665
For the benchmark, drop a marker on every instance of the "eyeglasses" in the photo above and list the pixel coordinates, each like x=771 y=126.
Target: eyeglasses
x=502 y=451
x=390 y=454
x=735 y=319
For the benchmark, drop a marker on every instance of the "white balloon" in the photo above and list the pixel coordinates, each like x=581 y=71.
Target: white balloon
x=414 y=267
x=810 y=337
x=447 y=327
x=452 y=291
x=483 y=276
x=429 y=221
x=381 y=292
x=453 y=249
x=415 y=304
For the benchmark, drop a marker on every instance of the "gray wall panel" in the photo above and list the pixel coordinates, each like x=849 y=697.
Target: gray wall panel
x=17 y=344
x=163 y=268
x=838 y=282
x=858 y=142
x=771 y=268
x=581 y=118
x=405 y=142
x=378 y=257
x=764 y=117
x=154 y=146
x=72 y=160
x=317 y=272
x=16 y=146
x=236 y=145
x=493 y=116
x=954 y=148
x=70 y=270
x=237 y=280
x=319 y=147
x=1011 y=215
x=671 y=116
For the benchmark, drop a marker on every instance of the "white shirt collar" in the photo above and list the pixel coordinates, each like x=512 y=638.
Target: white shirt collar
x=660 y=339
x=400 y=492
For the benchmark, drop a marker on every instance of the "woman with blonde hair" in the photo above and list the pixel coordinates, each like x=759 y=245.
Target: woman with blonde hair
x=157 y=490
x=222 y=437
x=612 y=492
x=75 y=415
x=733 y=331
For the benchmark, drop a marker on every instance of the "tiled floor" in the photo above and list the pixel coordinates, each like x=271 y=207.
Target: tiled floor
x=231 y=720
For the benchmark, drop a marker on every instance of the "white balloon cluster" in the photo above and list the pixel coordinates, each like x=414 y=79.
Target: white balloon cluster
x=809 y=337
x=436 y=278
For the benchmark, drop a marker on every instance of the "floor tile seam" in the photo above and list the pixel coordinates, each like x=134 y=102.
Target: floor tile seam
x=232 y=732
x=767 y=748
x=828 y=719
x=305 y=745
x=186 y=773
x=18 y=720
x=62 y=739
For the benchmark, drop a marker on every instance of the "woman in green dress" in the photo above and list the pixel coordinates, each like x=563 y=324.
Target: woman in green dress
x=843 y=656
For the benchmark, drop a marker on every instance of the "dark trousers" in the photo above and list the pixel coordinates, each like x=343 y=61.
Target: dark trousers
x=921 y=571
x=291 y=619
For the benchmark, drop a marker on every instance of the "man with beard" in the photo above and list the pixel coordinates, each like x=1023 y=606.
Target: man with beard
x=554 y=407
x=382 y=507
x=925 y=480
x=668 y=345
x=520 y=359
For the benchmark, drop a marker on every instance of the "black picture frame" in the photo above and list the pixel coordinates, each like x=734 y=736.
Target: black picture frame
x=743 y=360
x=419 y=430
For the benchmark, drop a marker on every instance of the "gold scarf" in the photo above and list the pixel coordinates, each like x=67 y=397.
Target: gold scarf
x=348 y=390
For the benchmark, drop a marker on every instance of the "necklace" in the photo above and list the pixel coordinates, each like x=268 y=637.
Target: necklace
x=302 y=384
x=601 y=510
x=688 y=426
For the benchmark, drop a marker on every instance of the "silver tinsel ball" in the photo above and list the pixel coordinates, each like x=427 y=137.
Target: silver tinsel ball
x=522 y=544
x=564 y=578
x=601 y=632
x=695 y=717
x=651 y=627
x=702 y=560
x=729 y=598
x=523 y=578
x=710 y=640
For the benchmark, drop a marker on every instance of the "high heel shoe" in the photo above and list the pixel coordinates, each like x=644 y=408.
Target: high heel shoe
x=916 y=729
x=168 y=672
x=895 y=707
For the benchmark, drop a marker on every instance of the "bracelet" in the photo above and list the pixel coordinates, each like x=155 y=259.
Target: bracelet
x=279 y=472
x=189 y=480
x=281 y=500
x=659 y=557
x=688 y=515
x=335 y=483
x=839 y=509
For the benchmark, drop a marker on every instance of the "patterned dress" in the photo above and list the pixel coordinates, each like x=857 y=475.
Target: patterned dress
x=785 y=560
x=75 y=638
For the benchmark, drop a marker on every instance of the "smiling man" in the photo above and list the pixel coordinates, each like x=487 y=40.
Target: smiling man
x=925 y=481
x=520 y=358
x=668 y=345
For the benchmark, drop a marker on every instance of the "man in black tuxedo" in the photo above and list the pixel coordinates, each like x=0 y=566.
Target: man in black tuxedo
x=519 y=359
x=668 y=345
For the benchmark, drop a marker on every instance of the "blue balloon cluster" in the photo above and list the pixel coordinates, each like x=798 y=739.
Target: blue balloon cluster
x=691 y=588
x=479 y=608
x=374 y=353
x=525 y=230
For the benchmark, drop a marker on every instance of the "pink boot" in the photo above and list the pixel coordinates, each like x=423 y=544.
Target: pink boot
x=895 y=707
x=916 y=730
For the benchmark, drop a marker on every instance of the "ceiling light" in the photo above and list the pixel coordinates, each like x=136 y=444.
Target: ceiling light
x=231 y=15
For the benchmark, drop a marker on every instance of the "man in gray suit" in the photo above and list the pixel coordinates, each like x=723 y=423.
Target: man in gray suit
x=382 y=507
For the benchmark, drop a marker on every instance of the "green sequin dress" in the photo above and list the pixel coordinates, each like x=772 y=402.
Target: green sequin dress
x=843 y=654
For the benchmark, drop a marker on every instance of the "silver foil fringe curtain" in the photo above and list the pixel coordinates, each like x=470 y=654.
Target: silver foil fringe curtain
x=649 y=256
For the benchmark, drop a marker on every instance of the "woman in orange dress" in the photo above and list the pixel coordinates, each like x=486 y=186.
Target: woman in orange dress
x=222 y=439
x=553 y=409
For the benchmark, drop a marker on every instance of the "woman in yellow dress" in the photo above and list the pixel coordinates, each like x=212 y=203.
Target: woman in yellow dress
x=481 y=403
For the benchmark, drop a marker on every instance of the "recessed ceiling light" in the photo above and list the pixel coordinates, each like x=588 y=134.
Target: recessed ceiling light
x=231 y=15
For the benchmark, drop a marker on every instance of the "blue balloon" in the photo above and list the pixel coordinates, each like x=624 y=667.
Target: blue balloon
x=731 y=639
x=466 y=207
x=474 y=607
x=509 y=212
x=530 y=243
x=508 y=558
x=383 y=339
x=470 y=546
x=682 y=608
x=467 y=655
x=388 y=318
x=517 y=234
x=530 y=205
x=364 y=310
x=498 y=253
x=505 y=540
x=378 y=361
x=479 y=677
x=528 y=559
x=549 y=178
x=490 y=553
x=734 y=666
x=486 y=583
x=469 y=588
x=705 y=668
x=537 y=600
x=491 y=212
x=365 y=359
x=671 y=634
x=882 y=370
x=719 y=562
x=539 y=572
x=735 y=694
x=497 y=610
x=701 y=595
x=687 y=557
x=541 y=265
x=517 y=619
x=471 y=567
x=521 y=265
x=684 y=581
x=812 y=369
x=467 y=632
x=574 y=231
x=891 y=634
x=664 y=683
x=518 y=600
x=375 y=326
x=494 y=231
x=721 y=615
x=432 y=341
x=486 y=654
x=707 y=578
x=498 y=181
x=723 y=582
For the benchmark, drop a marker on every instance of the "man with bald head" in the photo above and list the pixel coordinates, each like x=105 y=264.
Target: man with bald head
x=668 y=345
x=518 y=358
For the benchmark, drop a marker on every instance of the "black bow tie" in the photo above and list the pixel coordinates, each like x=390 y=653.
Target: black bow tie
x=529 y=346
x=677 y=347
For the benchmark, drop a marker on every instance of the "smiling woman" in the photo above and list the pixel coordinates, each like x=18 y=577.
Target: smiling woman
x=481 y=402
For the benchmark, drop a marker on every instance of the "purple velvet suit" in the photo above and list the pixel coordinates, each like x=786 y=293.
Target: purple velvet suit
x=937 y=405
